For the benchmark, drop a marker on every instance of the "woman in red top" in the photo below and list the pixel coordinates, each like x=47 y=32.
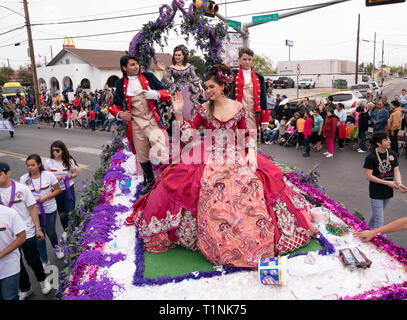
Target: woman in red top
x=329 y=132
x=309 y=122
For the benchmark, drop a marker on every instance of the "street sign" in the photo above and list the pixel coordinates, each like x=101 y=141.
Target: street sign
x=289 y=43
x=234 y=24
x=298 y=70
x=265 y=18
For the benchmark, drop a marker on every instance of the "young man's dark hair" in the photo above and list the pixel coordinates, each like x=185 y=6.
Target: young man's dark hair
x=378 y=137
x=125 y=60
x=247 y=51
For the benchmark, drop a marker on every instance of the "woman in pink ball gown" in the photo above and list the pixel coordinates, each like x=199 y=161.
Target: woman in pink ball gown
x=226 y=201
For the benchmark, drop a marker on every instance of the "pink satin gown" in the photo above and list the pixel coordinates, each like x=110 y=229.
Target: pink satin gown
x=233 y=215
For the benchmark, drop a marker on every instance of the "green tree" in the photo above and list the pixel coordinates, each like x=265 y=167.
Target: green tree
x=26 y=76
x=263 y=65
x=5 y=75
x=198 y=63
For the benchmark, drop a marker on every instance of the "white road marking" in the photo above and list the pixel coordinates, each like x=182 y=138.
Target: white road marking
x=87 y=150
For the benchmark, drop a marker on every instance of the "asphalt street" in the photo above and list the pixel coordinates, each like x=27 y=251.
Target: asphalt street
x=342 y=176
x=84 y=145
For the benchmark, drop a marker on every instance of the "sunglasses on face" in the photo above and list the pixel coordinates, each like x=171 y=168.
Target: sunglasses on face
x=56 y=150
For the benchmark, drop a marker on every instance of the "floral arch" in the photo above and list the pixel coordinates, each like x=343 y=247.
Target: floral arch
x=208 y=38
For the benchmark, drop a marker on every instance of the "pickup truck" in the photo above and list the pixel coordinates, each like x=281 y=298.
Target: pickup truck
x=366 y=89
x=283 y=82
x=377 y=90
x=306 y=83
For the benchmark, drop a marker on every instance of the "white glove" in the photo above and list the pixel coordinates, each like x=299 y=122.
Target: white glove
x=151 y=94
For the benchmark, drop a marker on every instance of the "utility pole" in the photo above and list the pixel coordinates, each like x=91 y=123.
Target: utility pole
x=357 y=52
x=374 y=56
x=32 y=57
x=382 y=62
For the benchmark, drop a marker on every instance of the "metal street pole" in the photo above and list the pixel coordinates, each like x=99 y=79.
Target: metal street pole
x=374 y=56
x=32 y=57
x=357 y=52
x=382 y=62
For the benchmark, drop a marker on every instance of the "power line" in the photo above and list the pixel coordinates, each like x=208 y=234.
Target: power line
x=111 y=18
x=277 y=10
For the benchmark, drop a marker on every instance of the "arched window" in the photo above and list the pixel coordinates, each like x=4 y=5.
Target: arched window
x=54 y=85
x=67 y=83
x=85 y=84
x=111 y=81
x=42 y=84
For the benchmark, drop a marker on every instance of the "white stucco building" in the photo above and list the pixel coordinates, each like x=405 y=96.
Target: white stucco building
x=91 y=69
x=323 y=72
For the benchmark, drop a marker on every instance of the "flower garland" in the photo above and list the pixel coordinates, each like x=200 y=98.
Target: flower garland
x=208 y=38
x=393 y=292
x=90 y=196
x=398 y=253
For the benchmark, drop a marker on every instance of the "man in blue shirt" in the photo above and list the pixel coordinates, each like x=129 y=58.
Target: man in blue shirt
x=379 y=117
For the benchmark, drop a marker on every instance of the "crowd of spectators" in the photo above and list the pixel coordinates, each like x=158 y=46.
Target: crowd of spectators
x=309 y=126
x=86 y=110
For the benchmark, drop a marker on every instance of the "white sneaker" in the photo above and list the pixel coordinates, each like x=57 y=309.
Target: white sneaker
x=25 y=294
x=329 y=155
x=358 y=149
x=361 y=151
x=326 y=153
x=60 y=254
x=45 y=287
x=268 y=142
x=64 y=236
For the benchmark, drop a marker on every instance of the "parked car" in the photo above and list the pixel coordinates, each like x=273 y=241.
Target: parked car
x=366 y=89
x=295 y=105
x=350 y=99
x=283 y=82
x=365 y=78
x=306 y=83
x=377 y=90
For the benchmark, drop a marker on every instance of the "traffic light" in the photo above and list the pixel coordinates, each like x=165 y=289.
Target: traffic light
x=211 y=7
x=380 y=2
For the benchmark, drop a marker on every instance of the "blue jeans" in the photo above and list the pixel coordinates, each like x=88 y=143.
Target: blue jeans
x=377 y=218
x=362 y=138
x=108 y=123
x=65 y=206
x=9 y=287
x=271 y=135
x=307 y=144
x=50 y=230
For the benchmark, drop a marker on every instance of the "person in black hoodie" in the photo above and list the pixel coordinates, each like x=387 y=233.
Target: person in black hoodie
x=363 y=128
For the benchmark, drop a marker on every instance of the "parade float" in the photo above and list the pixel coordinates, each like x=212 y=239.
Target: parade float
x=106 y=260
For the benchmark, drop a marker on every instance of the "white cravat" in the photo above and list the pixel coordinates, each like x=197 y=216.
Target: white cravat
x=134 y=87
x=247 y=76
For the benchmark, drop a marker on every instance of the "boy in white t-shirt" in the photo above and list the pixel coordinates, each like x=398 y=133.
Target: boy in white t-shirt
x=18 y=197
x=12 y=236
